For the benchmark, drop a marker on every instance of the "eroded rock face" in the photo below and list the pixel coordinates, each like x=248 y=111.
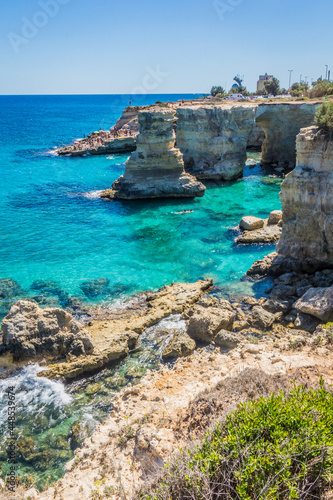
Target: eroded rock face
x=213 y=140
x=33 y=332
x=156 y=169
x=282 y=123
x=307 y=201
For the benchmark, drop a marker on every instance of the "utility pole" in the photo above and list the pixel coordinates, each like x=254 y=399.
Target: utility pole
x=290 y=71
x=326 y=71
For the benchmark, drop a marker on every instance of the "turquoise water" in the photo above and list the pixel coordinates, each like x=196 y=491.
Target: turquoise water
x=54 y=227
x=56 y=234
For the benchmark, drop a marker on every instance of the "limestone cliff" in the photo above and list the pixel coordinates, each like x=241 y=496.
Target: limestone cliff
x=128 y=120
x=281 y=123
x=307 y=200
x=213 y=140
x=156 y=169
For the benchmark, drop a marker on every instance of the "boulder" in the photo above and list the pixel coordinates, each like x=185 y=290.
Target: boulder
x=206 y=321
x=306 y=322
x=180 y=345
x=275 y=217
x=276 y=306
x=266 y=234
x=228 y=340
x=317 y=302
x=30 y=332
x=261 y=319
x=282 y=292
x=249 y=223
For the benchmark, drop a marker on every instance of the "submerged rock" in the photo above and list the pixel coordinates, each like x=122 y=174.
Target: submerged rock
x=9 y=288
x=94 y=288
x=33 y=332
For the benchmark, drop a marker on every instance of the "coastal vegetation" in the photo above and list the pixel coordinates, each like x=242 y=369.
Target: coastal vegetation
x=276 y=447
x=324 y=118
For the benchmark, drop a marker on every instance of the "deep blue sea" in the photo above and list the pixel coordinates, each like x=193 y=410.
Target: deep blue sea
x=54 y=228
x=56 y=235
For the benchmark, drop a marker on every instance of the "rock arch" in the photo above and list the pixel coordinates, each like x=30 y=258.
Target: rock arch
x=281 y=124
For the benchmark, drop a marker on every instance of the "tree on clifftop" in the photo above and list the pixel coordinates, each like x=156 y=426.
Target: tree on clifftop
x=217 y=90
x=324 y=118
x=272 y=86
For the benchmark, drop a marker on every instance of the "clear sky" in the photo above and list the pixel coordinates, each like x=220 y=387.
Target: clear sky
x=170 y=46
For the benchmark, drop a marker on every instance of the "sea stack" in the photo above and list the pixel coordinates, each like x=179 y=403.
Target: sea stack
x=307 y=200
x=156 y=168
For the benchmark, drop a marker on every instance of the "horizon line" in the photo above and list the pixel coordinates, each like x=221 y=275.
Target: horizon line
x=135 y=95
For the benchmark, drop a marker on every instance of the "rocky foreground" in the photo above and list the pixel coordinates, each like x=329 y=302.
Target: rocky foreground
x=170 y=407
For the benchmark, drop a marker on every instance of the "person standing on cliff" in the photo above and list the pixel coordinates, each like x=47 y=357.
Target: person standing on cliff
x=130 y=103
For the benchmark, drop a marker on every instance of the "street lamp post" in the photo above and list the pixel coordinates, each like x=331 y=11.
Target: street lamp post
x=290 y=71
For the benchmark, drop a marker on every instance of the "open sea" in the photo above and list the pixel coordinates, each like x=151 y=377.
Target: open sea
x=56 y=235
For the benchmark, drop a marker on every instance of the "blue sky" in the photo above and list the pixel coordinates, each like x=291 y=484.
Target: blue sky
x=105 y=47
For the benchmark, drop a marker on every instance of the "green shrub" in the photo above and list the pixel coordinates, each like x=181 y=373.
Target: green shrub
x=324 y=117
x=280 y=447
x=321 y=88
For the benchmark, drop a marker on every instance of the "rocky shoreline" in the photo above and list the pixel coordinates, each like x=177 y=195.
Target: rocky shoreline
x=171 y=407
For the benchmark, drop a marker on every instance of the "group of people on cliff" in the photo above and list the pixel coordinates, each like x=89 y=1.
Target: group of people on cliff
x=98 y=139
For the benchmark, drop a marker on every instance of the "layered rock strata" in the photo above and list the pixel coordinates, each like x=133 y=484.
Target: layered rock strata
x=281 y=124
x=213 y=140
x=119 y=145
x=156 y=169
x=307 y=201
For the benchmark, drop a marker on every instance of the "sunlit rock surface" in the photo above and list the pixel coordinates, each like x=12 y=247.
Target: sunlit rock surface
x=213 y=140
x=156 y=169
x=307 y=200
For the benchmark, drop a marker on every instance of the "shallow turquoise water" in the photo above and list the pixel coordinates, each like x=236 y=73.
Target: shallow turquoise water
x=53 y=226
